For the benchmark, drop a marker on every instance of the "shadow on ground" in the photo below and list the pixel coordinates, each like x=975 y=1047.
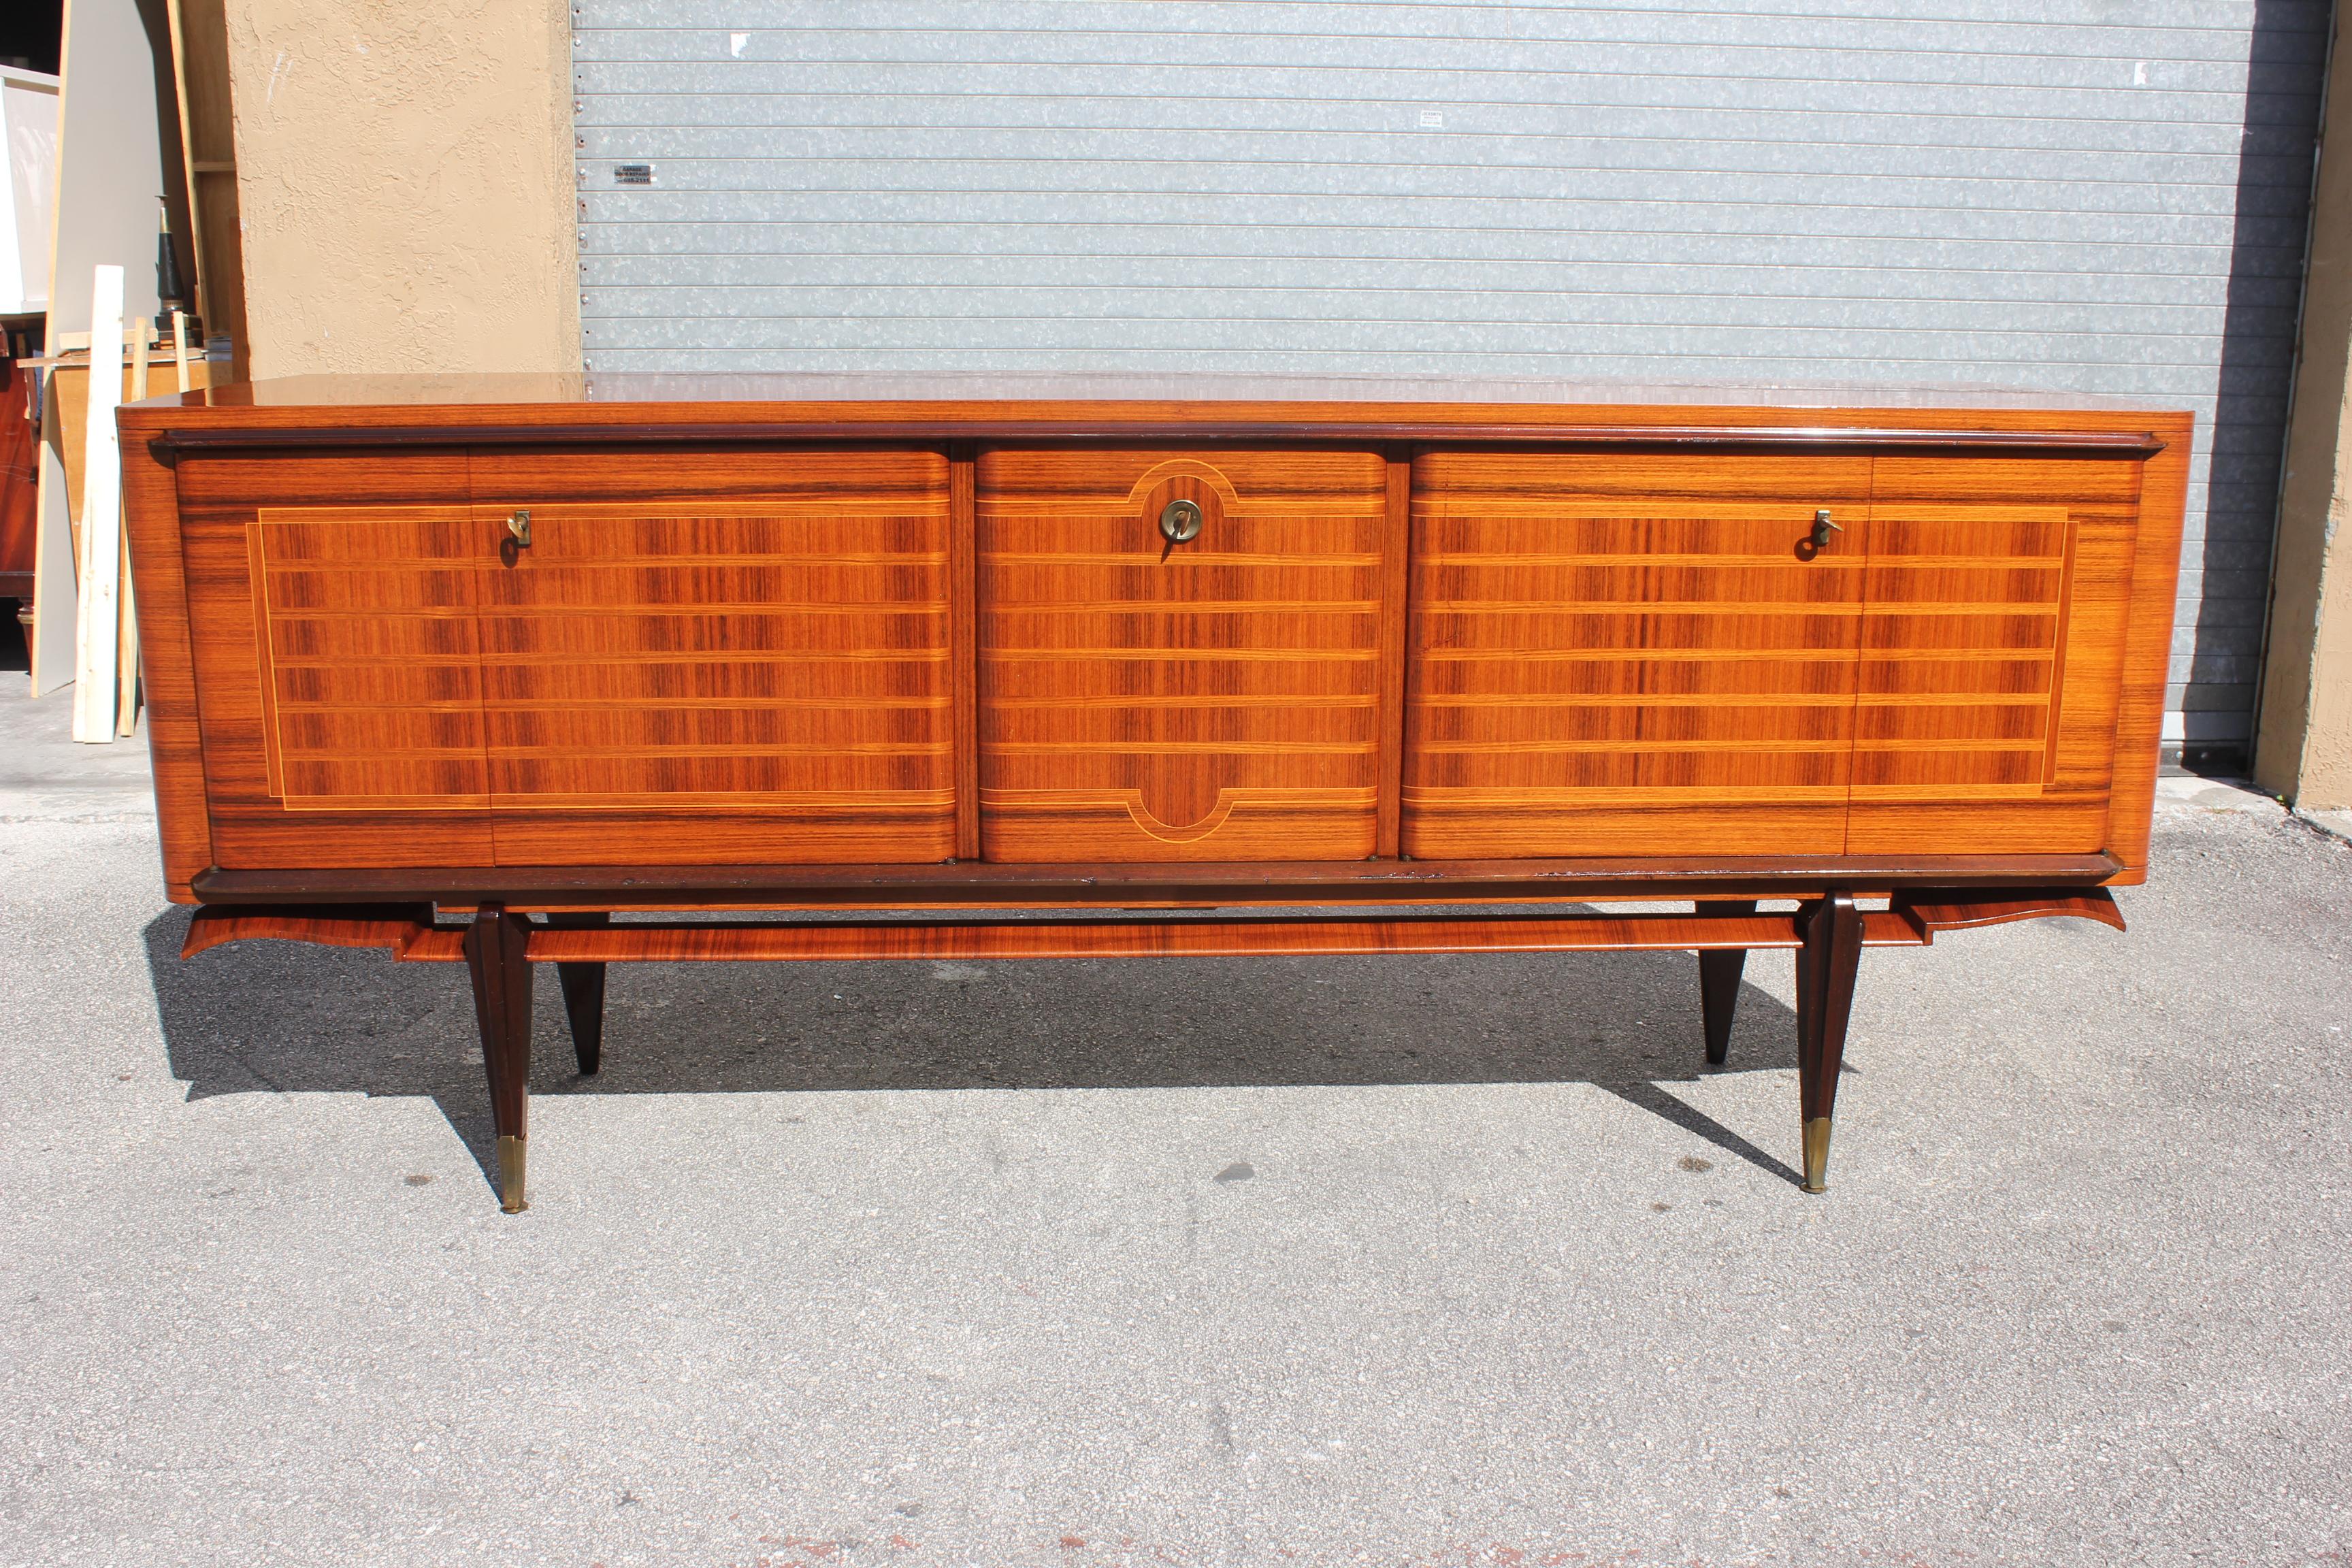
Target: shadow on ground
x=286 y=1017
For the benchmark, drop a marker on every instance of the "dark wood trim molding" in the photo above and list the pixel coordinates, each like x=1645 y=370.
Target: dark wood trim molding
x=412 y=936
x=1294 y=882
x=1933 y=909
x=169 y=444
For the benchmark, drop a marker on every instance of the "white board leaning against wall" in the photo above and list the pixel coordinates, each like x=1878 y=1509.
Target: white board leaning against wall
x=28 y=128
x=110 y=165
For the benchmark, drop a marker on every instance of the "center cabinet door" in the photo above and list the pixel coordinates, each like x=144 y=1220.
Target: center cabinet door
x=729 y=658
x=1210 y=698
x=1620 y=654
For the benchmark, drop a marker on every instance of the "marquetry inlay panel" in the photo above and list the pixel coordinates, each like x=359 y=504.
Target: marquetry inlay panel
x=370 y=656
x=1963 y=610
x=1623 y=652
x=761 y=673
x=770 y=660
x=1213 y=700
x=1994 y=615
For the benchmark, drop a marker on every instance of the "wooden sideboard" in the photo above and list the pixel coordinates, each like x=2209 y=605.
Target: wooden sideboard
x=462 y=668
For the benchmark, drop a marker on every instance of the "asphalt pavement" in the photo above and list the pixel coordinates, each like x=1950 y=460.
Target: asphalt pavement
x=1407 y=1261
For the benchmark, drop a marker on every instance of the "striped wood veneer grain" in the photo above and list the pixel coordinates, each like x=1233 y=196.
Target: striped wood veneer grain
x=1613 y=649
x=1213 y=701
x=732 y=657
x=1993 y=616
x=1631 y=653
x=744 y=660
x=335 y=657
x=371 y=659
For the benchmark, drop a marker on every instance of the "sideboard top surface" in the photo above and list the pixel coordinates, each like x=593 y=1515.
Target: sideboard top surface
x=1171 y=403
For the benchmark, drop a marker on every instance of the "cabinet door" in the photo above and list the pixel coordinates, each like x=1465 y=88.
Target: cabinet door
x=330 y=608
x=1991 y=654
x=1619 y=653
x=1211 y=699
x=718 y=657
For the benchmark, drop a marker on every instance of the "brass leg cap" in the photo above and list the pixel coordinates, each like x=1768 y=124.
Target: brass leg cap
x=511 y=1155
x=1817 y=1154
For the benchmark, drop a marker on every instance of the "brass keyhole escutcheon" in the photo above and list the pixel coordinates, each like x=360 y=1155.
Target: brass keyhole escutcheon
x=1180 y=521
x=519 y=524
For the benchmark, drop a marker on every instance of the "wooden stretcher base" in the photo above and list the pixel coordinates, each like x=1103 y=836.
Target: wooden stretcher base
x=500 y=945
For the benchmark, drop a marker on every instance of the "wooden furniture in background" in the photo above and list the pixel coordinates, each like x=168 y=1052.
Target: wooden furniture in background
x=459 y=667
x=20 y=473
x=66 y=405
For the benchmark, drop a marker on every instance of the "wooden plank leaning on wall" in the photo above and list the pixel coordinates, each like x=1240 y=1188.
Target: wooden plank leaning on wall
x=97 y=623
x=208 y=147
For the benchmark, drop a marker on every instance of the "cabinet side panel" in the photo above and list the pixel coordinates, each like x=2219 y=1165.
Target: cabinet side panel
x=174 y=738
x=330 y=604
x=1632 y=654
x=2147 y=646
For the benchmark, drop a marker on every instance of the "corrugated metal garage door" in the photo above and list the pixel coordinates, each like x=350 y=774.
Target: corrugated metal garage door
x=2074 y=195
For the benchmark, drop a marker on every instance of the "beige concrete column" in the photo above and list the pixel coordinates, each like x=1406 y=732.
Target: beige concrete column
x=405 y=174
x=2302 y=746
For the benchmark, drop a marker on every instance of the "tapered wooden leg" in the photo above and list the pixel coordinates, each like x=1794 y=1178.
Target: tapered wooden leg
x=583 y=996
x=1831 y=929
x=1718 y=982
x=497 y=948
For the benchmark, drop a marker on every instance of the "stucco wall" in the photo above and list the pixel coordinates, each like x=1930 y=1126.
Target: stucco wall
x=405 y=174
x=2326 y=781
x=2303 y=748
